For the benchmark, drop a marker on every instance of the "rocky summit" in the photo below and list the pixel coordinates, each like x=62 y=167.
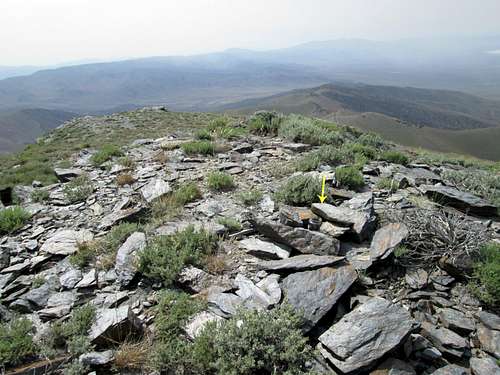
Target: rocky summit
x=153 y=242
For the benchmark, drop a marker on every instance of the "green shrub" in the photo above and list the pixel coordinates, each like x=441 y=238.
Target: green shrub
x=170 y=206
x=220 y=181
x=301 y=190
x=231 y=224
x=250 y=197
x=219 y=122
x=165 y=256
x=86 y=252
x=394 y=157
x=40 y=195
x=487 y=273
x=372 y=140
x=105 y=154
x=186 y=193
x=203 y=134
x=368 y=152
x=387 y=183
x=255 y=342
x=265 y=123
x=306 y=130
x=12 y=219
x=349 y=177
x=198 y=147
x=171 y=353
x=78 y=189
x=16 y=341
x=127 y=162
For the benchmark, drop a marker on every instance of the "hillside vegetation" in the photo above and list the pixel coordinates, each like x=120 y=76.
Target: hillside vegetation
x=440 y=120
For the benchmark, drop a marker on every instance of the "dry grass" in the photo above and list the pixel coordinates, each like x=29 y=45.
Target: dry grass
x=125 y=179
x=132 y=355
x=161 y=157
x=215 y=264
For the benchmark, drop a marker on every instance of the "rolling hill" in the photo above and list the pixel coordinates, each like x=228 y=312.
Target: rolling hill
x=20 y=127
x=440 y=120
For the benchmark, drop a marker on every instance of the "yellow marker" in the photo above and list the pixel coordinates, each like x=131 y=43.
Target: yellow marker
x=322 y=197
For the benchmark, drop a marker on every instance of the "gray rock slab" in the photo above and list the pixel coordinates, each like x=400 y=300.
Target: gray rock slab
x=264 y=249
x=456 y=320
x=315 y=293
x=155 y=189
x=484 y=366
x=366 y=334
x=445 y=340
x=65 y=242
x=489 y=340
x=460 y=200
x=386 y=239
x=300 y=262
x=127 y=258
x=302 y=240
x=112 y=325
x=360 y=222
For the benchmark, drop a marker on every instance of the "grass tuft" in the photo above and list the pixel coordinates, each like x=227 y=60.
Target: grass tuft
x=12 y=219
x=220 y=181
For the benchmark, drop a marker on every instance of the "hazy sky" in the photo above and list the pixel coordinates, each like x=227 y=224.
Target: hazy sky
x=34 y=32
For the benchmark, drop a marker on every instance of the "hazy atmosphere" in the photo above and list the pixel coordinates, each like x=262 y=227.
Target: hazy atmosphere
x=35 y=32
x=250 y=187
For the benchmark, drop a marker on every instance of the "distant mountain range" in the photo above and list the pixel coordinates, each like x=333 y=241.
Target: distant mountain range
x=213 y=81
x=442 y=120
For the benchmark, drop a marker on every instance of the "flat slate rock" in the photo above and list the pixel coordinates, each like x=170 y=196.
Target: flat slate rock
x=456 y=321
x=65 y=242
x=67 y=174
x=460 y=200
x=264 y=249
x=386 y=239
x=490 y=320
x=118 y=216
x=155 y=189
x=300 y=262
x=489 y=340
x=303 y=240
x=484 y=366
x=360 y=222
x=127 y=258
x=111 y=325
x=445 y=340
x=366 y=334
x=315 y=293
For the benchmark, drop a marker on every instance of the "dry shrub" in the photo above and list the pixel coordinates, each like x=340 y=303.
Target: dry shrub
x=125 y=179
x=215 y=264
x=434 y=234
x=161 y=157
x=132 y=355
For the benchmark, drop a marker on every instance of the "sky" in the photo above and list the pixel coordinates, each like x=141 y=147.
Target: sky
x=46 y=32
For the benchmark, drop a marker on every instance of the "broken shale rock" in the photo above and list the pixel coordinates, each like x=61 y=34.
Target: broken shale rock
x=366 y=334
x=263 y=249
x=361 y=223
x=315 y=293
x=113 y=325
x=65 y=242
x=127 y=258
x=300 y=262
x=386 y=239
x=303 y=240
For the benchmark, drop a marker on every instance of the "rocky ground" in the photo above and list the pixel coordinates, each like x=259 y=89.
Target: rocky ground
x=365 y=310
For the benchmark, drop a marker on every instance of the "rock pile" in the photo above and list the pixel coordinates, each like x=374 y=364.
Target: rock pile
x=366 y=314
